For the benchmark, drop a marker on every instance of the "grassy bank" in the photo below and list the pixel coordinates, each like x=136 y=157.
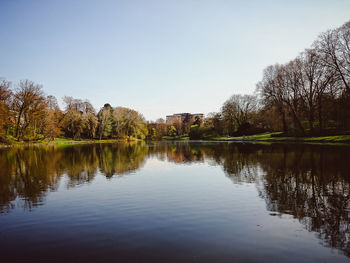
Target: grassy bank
x=176 y=138
x=57 y=141
x=264 y=137
x=269 y=137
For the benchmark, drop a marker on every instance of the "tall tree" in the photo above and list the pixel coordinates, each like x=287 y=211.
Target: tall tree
x=128 y=122
x=79 y=119
x=5 y=95
x=272 y=93
x=105 y=121
x=291 y=79
x=29 y=105
x=334 y=48
x=51 y=127
x=72 y=123
x=237 y=111
x=90 y=124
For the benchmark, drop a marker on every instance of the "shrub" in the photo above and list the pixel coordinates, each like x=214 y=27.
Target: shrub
x=198 y=133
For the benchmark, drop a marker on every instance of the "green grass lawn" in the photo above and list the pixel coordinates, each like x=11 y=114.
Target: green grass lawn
x=268 y=137
x=70 y=140
x=56 y=141
x=264 y=137
x=176 y=138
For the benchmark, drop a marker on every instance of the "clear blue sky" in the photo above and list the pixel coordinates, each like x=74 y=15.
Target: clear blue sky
x=158 y=57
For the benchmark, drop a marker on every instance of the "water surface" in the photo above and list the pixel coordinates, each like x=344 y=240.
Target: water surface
x=175 y=202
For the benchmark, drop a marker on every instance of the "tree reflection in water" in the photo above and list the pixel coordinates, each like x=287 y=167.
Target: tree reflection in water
x=310 y=182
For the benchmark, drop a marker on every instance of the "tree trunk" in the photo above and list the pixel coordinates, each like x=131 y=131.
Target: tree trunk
x=283 y=115
x=17 y=125
x=297 y=122
x=320 y=117
x=311 y=120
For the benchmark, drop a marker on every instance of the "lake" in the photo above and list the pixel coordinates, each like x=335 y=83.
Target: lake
x=175 y=202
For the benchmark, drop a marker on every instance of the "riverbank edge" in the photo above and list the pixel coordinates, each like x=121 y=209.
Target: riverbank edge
x=69 y=142
x=338 y=139
x=259 y=138
x=269 y=138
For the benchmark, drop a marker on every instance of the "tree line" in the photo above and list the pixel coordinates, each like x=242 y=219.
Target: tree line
x=26 y=114
x=309 y=95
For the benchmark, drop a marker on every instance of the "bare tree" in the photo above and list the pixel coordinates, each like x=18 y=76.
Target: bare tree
x=237 y=110
x=272 y=93
x=5 y=92
x=291 y=79
x=334 y=49
x=28 y=104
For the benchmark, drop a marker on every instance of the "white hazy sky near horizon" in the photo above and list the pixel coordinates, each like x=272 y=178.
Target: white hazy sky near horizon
x=158 y=57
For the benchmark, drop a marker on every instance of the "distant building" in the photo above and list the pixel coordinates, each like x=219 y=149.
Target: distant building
x=183 y=117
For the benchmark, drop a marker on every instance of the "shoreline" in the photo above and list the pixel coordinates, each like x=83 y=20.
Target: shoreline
x=52 y=143
x=259 y=138
x=286 y=140
x=269 y=138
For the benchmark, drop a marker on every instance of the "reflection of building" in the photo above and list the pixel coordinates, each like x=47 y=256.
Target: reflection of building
x=183 y=117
